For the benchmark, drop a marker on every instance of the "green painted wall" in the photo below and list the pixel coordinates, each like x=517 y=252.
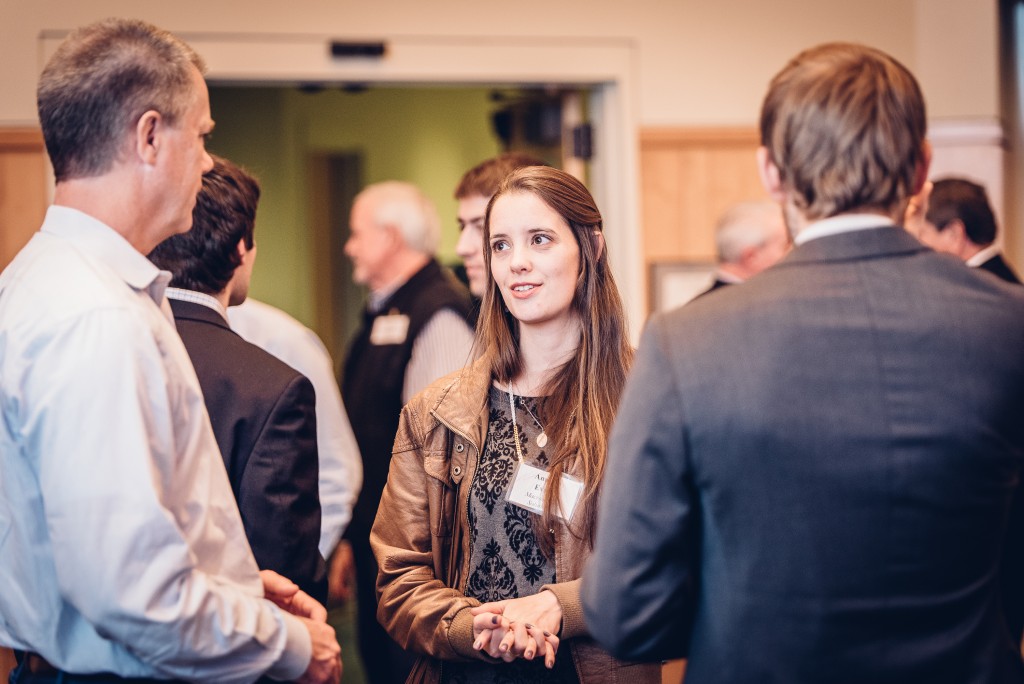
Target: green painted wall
x=428 y=136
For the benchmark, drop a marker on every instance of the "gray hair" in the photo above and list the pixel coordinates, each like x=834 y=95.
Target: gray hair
x=100 y=81
x=745 y=225
x=404 y=206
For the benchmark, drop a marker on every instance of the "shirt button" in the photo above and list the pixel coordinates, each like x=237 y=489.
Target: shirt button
x=457 y=470
x=460 y=447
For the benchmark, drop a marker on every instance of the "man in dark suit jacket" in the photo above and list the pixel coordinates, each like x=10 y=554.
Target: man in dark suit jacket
x=810 y=480
x=960 y=221
x=262 y=410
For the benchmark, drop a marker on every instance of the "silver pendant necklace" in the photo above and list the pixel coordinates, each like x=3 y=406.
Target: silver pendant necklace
x=542 y=438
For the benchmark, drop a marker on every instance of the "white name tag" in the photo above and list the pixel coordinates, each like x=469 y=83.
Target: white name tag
x=390 y=329
x=527 y=491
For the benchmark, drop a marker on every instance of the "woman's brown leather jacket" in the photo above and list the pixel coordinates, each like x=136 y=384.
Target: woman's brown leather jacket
x=421 y=540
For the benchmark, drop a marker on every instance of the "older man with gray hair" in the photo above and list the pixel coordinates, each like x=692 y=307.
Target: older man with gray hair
x=414 y=331
x=749 y=237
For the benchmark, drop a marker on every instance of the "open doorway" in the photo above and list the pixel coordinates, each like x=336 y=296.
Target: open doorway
x=313 y=147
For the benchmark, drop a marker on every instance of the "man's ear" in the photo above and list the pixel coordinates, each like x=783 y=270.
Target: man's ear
x=770 y=177
x=921 y=172
x=147 y=136
x=598 y=239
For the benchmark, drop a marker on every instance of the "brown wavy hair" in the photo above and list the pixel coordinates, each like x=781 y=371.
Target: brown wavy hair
x=581 y=399
x=845 y=125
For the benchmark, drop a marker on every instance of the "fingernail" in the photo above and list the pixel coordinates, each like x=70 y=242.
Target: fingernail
x=547 y=633
x=528 y=654
x=529 y=626
x=494 y=619
x=503 y=648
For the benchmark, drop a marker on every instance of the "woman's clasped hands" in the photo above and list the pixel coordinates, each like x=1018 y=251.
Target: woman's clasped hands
x=524 y=627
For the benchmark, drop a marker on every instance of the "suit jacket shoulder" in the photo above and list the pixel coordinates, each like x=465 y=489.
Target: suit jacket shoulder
x=263 y=414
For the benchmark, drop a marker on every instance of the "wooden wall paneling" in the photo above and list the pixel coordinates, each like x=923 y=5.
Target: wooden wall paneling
x=661 y=203
x=24 y=192
x=689 y=176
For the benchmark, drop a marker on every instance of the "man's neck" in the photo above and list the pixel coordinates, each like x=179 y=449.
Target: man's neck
x=404 y=266
x=110 y=198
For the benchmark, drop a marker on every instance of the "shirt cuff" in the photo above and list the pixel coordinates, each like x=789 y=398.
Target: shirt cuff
x=298 y=650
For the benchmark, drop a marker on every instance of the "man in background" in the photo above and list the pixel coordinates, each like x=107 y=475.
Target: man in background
x=749 y=237
x=414 y=331
x=262 y=410
x=473 y=193
x=811 y=480
x=959 y=221
x=122 y=553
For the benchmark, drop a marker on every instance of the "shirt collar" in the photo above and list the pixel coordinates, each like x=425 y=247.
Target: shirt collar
x=982 y=256
x=202 y=298
x=844 y=223
x=91 y=236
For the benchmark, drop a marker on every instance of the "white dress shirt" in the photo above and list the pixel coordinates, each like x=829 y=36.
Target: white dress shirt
x=341 y=468
x=983 y=255
x=121 y=548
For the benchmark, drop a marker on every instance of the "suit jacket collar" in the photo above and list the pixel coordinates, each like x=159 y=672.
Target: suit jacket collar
x=859 y=244
x=190 y=311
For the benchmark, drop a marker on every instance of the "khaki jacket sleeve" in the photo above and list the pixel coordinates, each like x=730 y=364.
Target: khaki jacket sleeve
x=409 y=538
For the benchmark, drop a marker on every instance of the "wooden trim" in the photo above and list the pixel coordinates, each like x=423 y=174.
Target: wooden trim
x=21 y=140
x=676 y=137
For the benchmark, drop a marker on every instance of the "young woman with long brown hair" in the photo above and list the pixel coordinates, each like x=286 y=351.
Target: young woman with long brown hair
x=488 y=515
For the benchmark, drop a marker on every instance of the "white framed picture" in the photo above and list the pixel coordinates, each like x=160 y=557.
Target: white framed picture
x=673 y=284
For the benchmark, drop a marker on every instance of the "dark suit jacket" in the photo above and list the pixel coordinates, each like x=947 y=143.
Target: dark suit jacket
x=999 y=267
x=809 y=479
x=718 y=284
x=263 y=416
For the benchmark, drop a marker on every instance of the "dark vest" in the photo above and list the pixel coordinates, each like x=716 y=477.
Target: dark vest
x=372 y=379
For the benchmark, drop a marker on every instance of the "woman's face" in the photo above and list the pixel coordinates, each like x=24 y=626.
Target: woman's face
x=534 y=260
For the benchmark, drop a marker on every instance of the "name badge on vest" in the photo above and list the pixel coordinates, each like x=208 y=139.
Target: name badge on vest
x=527 y=491
x=390 y=329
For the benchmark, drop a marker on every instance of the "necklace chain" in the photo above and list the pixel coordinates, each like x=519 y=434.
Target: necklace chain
x=542 y=438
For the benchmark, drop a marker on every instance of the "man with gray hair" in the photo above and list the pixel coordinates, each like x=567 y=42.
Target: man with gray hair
x=414 y=331
x=122 y=553
x=749 y=237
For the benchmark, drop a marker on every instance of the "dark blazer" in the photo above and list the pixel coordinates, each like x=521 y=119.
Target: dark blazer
x=999 y=267
x=718 y=284
x=809 y=479
x=263 y=416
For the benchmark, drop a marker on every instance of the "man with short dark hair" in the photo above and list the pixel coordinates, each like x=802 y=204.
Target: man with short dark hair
x=122 y=553
x=475 y=189
x=810 y=476
x=262 y=410
x=959 y=221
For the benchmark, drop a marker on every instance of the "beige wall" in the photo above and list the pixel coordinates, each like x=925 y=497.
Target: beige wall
x=698 y=62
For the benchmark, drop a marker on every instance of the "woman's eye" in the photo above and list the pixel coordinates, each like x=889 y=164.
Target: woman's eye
x=541 y=239
x=499 y=246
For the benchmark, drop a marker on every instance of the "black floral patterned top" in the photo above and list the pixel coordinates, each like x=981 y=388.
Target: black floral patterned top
x=505 y=559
